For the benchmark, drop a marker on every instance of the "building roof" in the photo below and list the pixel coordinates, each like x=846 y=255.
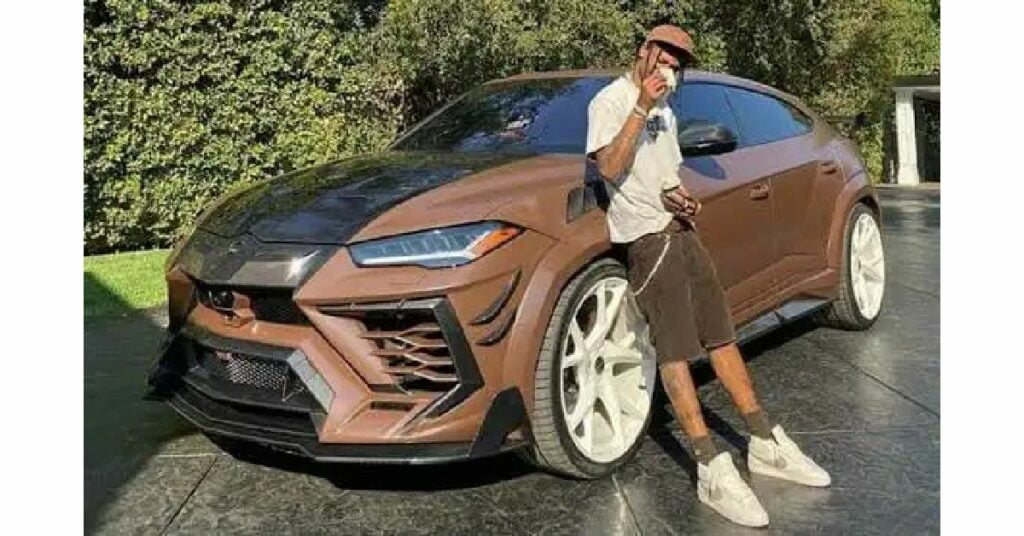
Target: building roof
x=922 y=80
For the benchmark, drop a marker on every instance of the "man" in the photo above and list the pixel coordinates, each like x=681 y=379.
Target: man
x=632 y=137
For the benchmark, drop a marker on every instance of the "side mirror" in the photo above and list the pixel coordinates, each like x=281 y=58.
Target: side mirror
x=703 y=138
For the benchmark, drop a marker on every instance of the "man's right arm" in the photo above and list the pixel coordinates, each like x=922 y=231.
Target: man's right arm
x=614 y=158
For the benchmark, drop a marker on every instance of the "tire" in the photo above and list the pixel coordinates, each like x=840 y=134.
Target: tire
x=554 y=449
x=846 y=312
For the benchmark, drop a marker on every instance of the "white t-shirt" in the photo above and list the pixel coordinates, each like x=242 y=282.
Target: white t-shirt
x=635 y=206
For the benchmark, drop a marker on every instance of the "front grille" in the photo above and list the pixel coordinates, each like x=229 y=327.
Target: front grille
x=275 y=377
x=248 y=371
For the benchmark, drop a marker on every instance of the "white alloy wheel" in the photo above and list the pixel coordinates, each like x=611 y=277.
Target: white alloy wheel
x=861 y=287
x=867 y=266
x=607 y=372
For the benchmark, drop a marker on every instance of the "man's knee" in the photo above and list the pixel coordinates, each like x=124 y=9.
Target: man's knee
x=722 y=348
x=672 y=368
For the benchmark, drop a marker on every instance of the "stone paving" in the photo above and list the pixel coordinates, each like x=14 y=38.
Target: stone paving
x=866 y=405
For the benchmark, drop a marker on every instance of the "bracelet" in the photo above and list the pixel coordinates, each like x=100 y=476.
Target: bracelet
x=639 y=112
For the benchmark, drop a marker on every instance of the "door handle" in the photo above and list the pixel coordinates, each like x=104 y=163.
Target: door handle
x=828 y=167
x=760 y=191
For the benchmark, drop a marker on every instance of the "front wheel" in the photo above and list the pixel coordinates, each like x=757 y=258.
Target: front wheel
x=595 y=377
x=862 y=282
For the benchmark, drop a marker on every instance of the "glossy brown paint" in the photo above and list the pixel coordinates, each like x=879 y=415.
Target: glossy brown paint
x=773 y=221
x=469 y=288
x=735 y=225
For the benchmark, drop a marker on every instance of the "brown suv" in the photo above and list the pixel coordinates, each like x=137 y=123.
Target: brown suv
x=426 y=304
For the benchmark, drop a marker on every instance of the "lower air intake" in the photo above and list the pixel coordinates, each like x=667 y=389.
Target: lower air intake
x=243 y=369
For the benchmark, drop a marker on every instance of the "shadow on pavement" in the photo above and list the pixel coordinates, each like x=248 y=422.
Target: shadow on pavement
x=349 y=476
x=122 y=431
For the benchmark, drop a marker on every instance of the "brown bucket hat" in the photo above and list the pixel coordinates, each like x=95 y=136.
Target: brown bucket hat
x=675 y=37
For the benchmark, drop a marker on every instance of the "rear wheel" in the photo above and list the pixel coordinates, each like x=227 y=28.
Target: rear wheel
x=595 y=377
x=862 y=284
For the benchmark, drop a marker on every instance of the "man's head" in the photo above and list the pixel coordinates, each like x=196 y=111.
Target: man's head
x=666 y=47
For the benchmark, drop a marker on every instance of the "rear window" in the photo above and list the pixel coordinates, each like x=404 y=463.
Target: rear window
x=532 y=116
x=764 y=119
x=699 y=103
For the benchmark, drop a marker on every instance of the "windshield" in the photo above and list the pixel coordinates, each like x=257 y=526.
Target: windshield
x=532 y=116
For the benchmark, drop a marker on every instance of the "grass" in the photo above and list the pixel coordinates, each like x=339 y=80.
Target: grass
x=119 y=283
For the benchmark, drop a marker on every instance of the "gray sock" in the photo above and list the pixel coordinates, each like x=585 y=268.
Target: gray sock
x=758 y=423
x=704 y=449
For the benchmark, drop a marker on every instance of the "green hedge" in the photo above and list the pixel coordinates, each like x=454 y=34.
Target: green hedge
x=184 y=100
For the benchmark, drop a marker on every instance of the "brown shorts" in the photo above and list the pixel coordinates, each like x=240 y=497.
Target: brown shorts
x=677 y=288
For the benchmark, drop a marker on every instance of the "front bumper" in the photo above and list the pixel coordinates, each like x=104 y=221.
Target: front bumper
x=297 y=436
x=389 y=364
x=271 y=392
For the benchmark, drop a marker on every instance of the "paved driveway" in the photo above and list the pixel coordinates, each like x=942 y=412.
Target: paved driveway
x=866 y=405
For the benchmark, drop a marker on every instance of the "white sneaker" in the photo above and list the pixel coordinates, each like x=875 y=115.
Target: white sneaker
x=781 y=458
x=720 y=486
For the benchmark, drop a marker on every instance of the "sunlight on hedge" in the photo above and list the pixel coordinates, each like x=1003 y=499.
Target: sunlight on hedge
x=185 y=99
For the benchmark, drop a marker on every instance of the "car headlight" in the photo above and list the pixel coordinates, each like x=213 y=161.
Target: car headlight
x=436 y=248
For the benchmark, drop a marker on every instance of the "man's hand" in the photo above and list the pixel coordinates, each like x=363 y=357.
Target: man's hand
x=674 y=199
x=651 y=89
x=679 y=202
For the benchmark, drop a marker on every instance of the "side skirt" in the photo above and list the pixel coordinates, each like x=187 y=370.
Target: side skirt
x=788 y=312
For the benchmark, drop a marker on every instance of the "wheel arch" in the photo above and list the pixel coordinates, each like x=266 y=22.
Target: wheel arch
x=579 y=250
x=853 y=194
x=872 y=202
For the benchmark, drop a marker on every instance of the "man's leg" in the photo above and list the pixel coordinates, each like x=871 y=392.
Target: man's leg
x=770 y=452
x=732 y=371
x=675 y=376
x=668 y=305
x=719 y=484
x=718 y=335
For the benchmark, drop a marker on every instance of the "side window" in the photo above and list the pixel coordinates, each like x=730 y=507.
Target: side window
x=765 y=119
x=696 y=103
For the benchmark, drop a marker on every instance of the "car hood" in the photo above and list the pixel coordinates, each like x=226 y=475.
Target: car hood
x=328 y=204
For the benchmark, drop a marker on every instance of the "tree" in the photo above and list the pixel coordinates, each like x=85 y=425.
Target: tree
x=185 y=100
